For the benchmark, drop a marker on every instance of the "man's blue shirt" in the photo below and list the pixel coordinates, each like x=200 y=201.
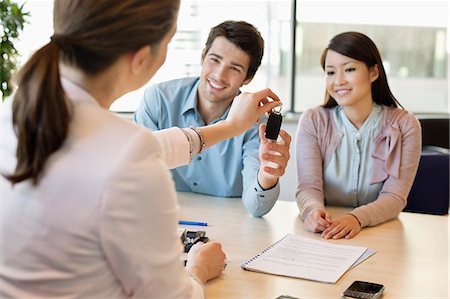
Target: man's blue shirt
x=227 y=169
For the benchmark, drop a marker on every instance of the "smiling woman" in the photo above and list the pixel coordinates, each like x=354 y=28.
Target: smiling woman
x=342 y=145
x=97 y=184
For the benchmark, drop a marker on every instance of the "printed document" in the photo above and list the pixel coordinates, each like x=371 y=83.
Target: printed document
x=301 y=257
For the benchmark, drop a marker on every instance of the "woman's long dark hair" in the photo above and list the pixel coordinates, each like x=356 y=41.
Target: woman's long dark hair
x=360 y=47
x=89 y=35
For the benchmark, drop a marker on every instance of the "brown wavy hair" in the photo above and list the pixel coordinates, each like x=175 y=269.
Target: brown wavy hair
x=89 y=35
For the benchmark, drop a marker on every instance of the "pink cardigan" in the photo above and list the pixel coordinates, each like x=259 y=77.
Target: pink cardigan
x=395 y=161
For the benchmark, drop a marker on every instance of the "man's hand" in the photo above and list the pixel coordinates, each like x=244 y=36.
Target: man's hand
x=274 y=158
x=346 y=226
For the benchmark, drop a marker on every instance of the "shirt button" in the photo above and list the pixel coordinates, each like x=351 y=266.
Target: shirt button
x=199 y=158
x=195 y=184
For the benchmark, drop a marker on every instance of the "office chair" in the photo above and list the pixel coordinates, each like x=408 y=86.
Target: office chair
x=435 y=131
x=430 y=191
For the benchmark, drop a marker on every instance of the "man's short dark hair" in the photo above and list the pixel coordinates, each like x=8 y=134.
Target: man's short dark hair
x=245 y=36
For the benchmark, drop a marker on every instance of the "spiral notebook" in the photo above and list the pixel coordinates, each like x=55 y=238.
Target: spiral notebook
x=306 y=258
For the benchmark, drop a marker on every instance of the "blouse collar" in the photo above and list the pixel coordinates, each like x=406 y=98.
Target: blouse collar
x=76 y=93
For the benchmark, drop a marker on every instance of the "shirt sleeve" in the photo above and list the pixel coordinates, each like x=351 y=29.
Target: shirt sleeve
x=138 y=226
x=309 y=193
x=257 y=201
x=394 y=193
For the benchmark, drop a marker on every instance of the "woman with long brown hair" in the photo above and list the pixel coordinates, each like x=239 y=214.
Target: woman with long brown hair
x=359 y=149
x=89 y=209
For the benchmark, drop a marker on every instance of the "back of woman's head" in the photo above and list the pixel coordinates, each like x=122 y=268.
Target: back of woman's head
x=360 y=47
x=89 y=35
x=94 y=33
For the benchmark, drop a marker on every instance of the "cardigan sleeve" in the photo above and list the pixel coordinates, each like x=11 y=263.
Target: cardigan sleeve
x=309 y=193
x=394 y=193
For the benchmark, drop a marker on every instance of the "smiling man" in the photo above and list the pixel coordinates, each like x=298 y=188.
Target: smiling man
x=236 y=167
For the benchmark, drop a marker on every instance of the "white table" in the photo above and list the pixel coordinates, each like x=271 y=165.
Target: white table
x=411 y=258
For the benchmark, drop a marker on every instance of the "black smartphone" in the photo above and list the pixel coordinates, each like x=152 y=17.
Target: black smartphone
x=363 y=290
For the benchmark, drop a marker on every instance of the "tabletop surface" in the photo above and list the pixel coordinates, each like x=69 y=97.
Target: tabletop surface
x=411 y=258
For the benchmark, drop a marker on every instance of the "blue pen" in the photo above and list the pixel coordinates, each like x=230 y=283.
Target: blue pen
x=192 y=223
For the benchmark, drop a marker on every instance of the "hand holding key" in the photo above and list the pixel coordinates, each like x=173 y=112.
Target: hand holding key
x=273 y=151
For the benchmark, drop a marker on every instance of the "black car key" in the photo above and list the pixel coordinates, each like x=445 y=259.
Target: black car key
x=273 y=125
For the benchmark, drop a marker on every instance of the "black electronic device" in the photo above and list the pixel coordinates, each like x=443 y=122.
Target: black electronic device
x=363 y=290
x=273 y=125
x=189 y=238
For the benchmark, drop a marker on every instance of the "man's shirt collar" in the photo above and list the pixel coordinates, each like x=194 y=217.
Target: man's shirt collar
x=191 y=102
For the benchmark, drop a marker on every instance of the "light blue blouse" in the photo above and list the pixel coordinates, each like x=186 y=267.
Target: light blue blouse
x=347 y=175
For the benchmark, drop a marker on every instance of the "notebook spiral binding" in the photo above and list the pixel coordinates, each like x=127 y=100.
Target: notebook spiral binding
x=245 y=263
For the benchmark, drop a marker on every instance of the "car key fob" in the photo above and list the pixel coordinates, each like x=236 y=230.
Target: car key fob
x=273 y=125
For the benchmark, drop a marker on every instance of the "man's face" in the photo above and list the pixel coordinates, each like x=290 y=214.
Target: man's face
x=224 y=69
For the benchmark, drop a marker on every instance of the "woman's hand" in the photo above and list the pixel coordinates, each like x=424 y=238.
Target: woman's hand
x=318 y=220
x=247 y=108
x=206 y=261
x=346 y=226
